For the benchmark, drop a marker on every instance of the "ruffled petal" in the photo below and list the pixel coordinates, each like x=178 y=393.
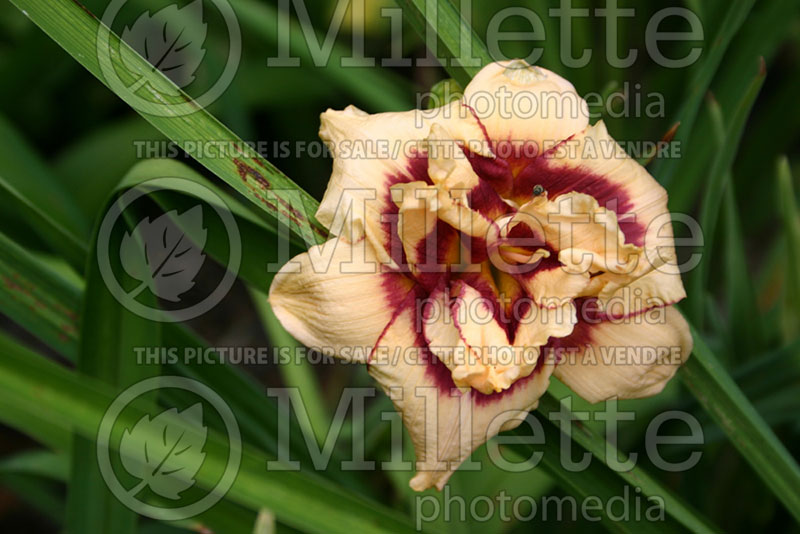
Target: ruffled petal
x=626 y=359
x=586 y=235
x=598 y=166
x=550 y=285
x=462 y=332
x=445 y=423
x=525 y=104
x=372 y=153
x=334 y=298
x=601 y=168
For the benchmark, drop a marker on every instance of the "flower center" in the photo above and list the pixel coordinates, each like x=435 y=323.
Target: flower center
x=502 y=266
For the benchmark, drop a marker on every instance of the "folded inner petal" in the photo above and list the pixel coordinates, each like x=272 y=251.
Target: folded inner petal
x=446 y=424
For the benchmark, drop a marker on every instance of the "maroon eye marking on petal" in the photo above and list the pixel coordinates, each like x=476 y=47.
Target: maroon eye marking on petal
x=475 y=248
x=495 y=171
x=400 y=302
x=522 y=230
x=559 y=179
x=590 y=314
x=484 y=199
x=396 y=288
x=416 y=171
x=516 y=175
x=487 y=292
x=480 y=124
x=432 y=270
x=435 y=370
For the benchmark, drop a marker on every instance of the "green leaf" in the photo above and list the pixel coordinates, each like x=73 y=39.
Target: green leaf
x=766 y=28
x=47 y=392
x=464 y=53
x=721 y=397
x=590 y=441
x=53 y=216
x=37 y=462
x=77 y=31
x=737 y=12
x=712 y=199
x=744 y=322
x=39 y=298
x=53 y=466
x=790 y=215
x=295 y=374
x=109 y=335
x=744 y=330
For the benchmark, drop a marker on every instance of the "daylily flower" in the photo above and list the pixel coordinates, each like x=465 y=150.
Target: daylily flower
x=480 y=248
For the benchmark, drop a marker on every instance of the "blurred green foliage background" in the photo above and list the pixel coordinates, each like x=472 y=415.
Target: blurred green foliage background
x=87 y=137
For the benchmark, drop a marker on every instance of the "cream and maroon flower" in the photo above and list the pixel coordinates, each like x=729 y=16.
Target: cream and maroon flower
x=480 y=248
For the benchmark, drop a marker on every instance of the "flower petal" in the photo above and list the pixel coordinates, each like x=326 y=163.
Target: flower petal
x=525 y=104
x=586 y=235
x=626 y=359
x=550 y=285
x=598 y=166
x=445 y=423
x=593 y=163
x=462 y=332
x=336 y=298
x=372 y=153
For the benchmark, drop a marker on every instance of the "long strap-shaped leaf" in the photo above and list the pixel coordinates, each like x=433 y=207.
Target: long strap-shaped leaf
x=790 y=215
x=762 y=36
x=42 y=467
x=40 y=300
x=664 y=169
x=76 y=30
x=597 y=445
x=48 y=392
x=109 y=335
x=48 y=306
x=464 y=53
x=721 y=397
x=712 y=198
x=53 y=217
